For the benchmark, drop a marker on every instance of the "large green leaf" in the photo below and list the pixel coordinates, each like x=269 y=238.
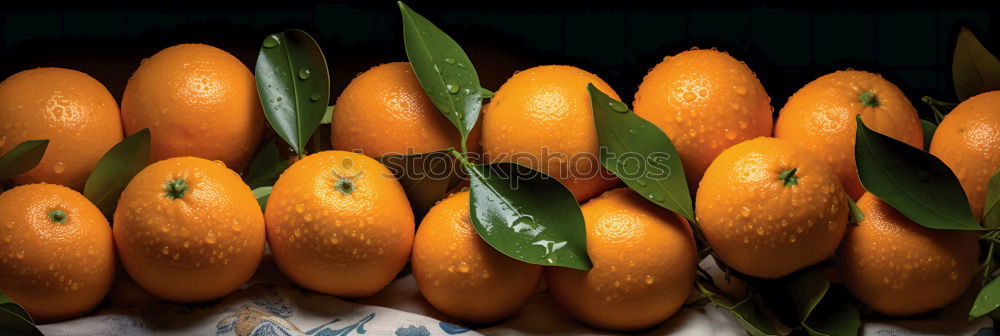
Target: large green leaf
x=640 y=154
x=746 y=310
x=22 y=158
x=911 y=180
x=115 y=171
x=14 y=320
x=820 y=312
x=425 y=177
x=266 y=166
x=991 y=211
x=444 y=70
x=974 y=69
x=294 y=85
x=527 y=215
x=262 y=194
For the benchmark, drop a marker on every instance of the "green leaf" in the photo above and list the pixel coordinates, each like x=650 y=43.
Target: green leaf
x=425 y=177
x=640 y=154
x=749 y=315
x=487 y=94
x=327 y=116
x=262 y=193
x=928 y=128
x=856 y=215
x=115 y=170
x=14 y=320
x=444 y=70
x=22 y=158
x=991 y=212
x=266 y=166
x=974 y=69
x=820 y=313
x=294 y=85
x=987 y=300
x=527 y=215
x=913 y=181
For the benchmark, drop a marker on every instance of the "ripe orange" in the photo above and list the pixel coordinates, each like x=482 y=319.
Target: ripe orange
x=72 y=110
x=644 y=265
x=339 y=223
x=820 y=118
x=968 y=141
x=541 y=118
x=898 y=267
x=385 y=111
x=189 y=230
x=196 y=100
x=769 y=208
x=462 y=275
x=705 y=101
x=57 y=258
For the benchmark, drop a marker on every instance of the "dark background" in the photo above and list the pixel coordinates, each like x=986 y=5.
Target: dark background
x=786 y=45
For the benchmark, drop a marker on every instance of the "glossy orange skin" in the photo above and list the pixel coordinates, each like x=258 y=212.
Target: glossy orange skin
x=898 y=267
x=705 y=101
x=541 y=118
x=968 y=141
x=385 y=111
x=196 y=100
x=72 y=110
x=195 y=248
x=759 y=225
x=820 y=117
x=56 y=271
x=644 y=265
x=463 y=276
x=348 y=244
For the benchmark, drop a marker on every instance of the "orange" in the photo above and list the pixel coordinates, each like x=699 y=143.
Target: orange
x=189 y=230
x=705 y=101
x=769 y=208
x=57 y=259
x=72 y=110
x=541 y=118
x=385 y=111
x=968 y=141
x=196 y=100
x=644 y=265
x=339 y=223
x=463 y=276
x=898 y=267
x=820 y=118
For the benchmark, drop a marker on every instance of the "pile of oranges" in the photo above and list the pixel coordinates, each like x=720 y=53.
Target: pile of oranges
x=772 y=197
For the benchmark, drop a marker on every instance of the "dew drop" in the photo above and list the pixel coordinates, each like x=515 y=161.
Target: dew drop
x=271 y=42
x=449 y=60
x=618 y=106
x=59 y=167
x=452 y=87
x=463 y=268
x=315 y=96
x=304 y=73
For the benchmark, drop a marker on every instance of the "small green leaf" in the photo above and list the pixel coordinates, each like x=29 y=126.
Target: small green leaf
x=640 y=154
x=262 y=193
x=856 y=215
x=22 y=158
x=928 y=128
x=425 y=177
x=911 y=180
x=487 y=94
x=327 y=116
x=294 y=85
x=266 y=166
x=14 y=320
x=974 y=69
x=444 y=70
x=820 y=313
x=527 y=215
x=115 y=170
x=939 y=108
x=746 y=311
x=991 y=212
x=987 y=300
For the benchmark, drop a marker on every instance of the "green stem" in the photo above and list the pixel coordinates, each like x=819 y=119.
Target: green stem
x=460 y=156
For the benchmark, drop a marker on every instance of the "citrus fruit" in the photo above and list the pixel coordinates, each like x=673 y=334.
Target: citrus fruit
x=196 y=100
x=541 y=118
x=189 y=230
x=463 y=276
x=768 y=208
x=968 y=141
x=644 y=265
x=339 y=223
x=820 y=118
x=705 y=101
x=385 y=111
x=57 y=259
x=898 y=267
x=72 y=110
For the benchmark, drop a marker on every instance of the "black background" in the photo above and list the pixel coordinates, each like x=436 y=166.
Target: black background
x=787 y=45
